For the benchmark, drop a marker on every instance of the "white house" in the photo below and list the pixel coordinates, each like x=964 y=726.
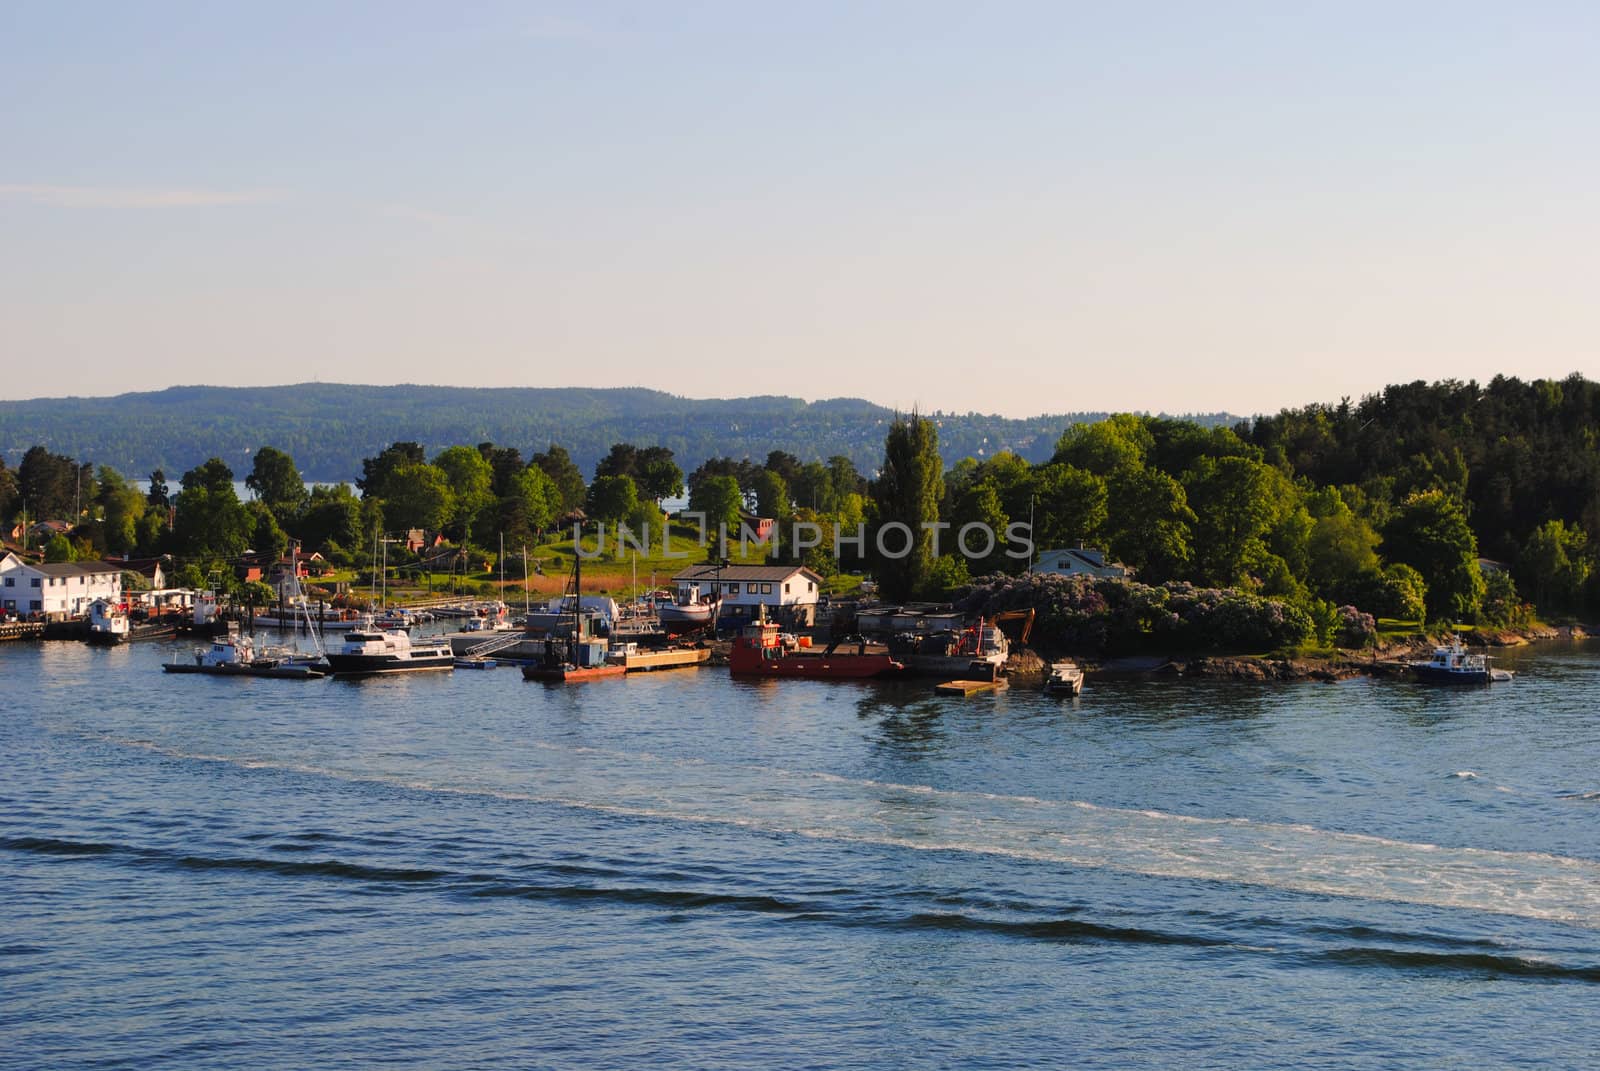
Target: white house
x=789 y=592
x=1080 y=561
x=57 y=591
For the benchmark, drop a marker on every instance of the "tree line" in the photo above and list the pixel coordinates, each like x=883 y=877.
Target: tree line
x=1386 y=505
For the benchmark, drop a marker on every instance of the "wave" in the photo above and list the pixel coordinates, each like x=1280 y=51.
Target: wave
x=889 y=911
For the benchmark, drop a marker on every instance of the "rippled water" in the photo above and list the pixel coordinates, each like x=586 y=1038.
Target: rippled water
x=681 y=870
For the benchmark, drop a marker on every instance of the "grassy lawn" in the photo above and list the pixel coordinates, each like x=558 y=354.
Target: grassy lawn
x=621 y=573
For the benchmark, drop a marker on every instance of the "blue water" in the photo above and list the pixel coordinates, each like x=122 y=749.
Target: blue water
x=678 y=870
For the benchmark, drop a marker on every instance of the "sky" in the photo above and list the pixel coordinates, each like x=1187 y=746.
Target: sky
x=1013 y=208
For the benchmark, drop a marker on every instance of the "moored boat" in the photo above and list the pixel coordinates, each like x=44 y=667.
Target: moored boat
x=1064 y=678
x=371 y=650
x=1453 y=664
x=108 y=624
x=234 y=655
x=759 y=652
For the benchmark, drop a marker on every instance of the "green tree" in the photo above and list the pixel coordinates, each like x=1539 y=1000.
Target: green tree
x=1148 y=523
x=772 y=496
x=51 y=484
x=267 y=538
x=557 y=464
x=212 y=522
x=812 y=488
x=1069 y=507
x=8 y=491
x=658 y=475
x=612 y=499
x=980 y=506
x=1118 y=443
x=620 y=461
x=1235 y=505
x=1555 y=563
x=720 y=501
x=59 y=549
x=121 y=509
x=418 y=497
x=470 y=479
x=1341 y=548
x=845 y=479
x=1502 y=607
x=378 y=472
x=1429 y=532
x=157 y=497
x=332 y=519
x=276 y=482
x=907 y=492
x=530 y=505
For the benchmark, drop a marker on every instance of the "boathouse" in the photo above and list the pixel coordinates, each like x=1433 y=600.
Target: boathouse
x=789 y=592
x=58 y=590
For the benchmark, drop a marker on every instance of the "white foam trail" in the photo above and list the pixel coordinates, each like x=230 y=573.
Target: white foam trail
x=824 y=806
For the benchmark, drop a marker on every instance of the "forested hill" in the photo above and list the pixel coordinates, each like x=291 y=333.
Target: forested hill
x=328 y=428
x=1517 y=453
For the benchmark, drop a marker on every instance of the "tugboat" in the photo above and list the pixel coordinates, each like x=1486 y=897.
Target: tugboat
x=583 y=655
x=1453 y=665
x=108 y=625
x=369 y=650
x=759 y=652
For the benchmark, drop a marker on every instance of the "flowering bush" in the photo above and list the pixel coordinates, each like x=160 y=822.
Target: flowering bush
x=1356 y=629
x=1086 y=613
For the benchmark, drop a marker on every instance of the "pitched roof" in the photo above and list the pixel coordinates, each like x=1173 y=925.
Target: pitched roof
x=76 y=568
x=744 y=573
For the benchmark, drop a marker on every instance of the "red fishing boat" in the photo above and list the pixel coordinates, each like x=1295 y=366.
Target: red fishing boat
x=759 y=651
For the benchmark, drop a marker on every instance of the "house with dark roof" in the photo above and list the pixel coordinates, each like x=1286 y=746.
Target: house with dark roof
x=56 y=590
x=1081 y=561
x=788 y=592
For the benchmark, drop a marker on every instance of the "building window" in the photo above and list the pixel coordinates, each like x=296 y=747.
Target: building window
x=36 y=605
x=811 y=585
x=786 y=587
x=733 y=589
x=766 y=589
x=11 y=581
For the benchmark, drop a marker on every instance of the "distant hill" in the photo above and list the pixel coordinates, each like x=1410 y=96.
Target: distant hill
x=329 y=428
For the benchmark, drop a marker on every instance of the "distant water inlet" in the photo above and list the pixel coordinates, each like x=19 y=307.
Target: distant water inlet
x=1290 y=857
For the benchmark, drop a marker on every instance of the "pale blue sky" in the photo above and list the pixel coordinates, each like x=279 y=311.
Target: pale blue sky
x=1015 y=208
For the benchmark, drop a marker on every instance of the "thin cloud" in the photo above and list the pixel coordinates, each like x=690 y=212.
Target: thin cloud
x=111 y=197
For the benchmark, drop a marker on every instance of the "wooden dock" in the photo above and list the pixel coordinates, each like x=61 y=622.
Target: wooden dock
x=22 y=630
x=968 y=687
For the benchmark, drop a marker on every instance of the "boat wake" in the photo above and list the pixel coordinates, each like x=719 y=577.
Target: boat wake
x=824 y=806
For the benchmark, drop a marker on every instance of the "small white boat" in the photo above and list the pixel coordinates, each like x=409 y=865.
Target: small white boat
x=1064 y=678
x=234 y=655
x=108 y=624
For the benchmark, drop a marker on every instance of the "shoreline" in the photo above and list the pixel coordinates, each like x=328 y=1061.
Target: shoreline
x=1384 y=661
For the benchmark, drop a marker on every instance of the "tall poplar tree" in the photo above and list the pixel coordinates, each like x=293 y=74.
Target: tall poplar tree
x=908 y=492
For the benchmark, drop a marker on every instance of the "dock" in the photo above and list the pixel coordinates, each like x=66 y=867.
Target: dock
x=671 y=658
x=22 y=630
x=968 y=687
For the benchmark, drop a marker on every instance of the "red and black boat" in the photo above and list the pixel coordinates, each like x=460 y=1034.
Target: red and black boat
x=759 y=651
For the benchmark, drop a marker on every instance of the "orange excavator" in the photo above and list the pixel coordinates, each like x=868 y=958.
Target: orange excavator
x=1025 y=616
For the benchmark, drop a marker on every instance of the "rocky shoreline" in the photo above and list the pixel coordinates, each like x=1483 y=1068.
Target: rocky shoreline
x=1389 y=660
